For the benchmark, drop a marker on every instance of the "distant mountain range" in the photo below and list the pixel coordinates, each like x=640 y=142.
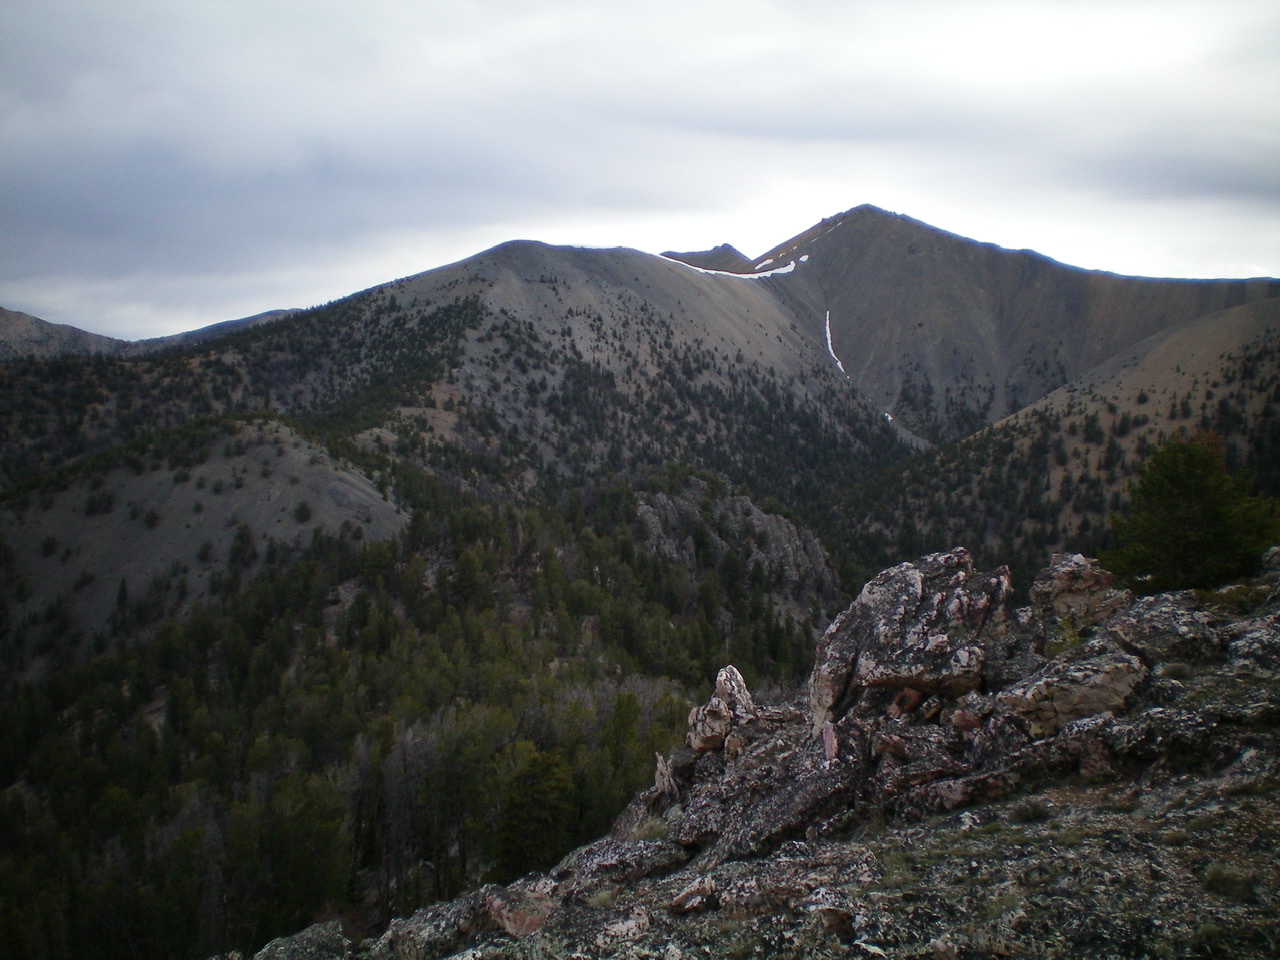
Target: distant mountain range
x=944 y=333
x=22 y=335
x=801 y=374
x=949 y=334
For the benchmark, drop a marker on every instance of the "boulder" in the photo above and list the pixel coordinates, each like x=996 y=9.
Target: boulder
x=921 y=625
x=699 y=895
x=1098 y=680
x=323 y=941
x=522 y=908
x=731 y=706
x=1076 y=588
x=1167 y=628
x=732 y=689
x=430 y=932
x=709 y=724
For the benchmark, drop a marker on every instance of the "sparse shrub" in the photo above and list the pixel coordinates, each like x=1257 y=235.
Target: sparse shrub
x=1066 y=638
x=1175 y=671
x=1228 y=880
x=601 y=899
x=1237 y=598
x=103 y=501
x=302 y=512
x=1030 y=811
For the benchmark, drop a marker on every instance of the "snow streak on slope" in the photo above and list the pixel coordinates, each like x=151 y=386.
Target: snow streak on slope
x=830 y=349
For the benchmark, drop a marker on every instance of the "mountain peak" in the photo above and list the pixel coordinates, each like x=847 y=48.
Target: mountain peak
x=724 y=257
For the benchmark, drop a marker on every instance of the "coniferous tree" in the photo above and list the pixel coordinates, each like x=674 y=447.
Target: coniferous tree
x=1191 y=523
x=533 y=826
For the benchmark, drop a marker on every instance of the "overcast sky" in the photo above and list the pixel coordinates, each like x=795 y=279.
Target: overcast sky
x=164 y=165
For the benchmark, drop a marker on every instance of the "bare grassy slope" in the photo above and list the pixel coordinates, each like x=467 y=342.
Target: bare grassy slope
x=22 y=334
x=175 y=530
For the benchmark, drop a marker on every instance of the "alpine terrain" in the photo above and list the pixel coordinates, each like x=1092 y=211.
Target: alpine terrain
x=580 y=602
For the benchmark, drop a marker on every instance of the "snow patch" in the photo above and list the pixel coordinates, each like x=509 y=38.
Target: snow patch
x=831 y=350
x=776 y=271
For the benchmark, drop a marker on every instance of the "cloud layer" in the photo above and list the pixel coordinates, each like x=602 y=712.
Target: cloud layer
x=169 y=165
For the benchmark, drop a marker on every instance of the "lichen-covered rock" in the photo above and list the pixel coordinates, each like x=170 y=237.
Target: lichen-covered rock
x=1167 y=628
x=1076 y=587
x=921 y=625
x=698 y=895
x=323 y=941
x=732 y=706
x=732 y=689
x=522 y=908
x=613 y=862
x=709 y=724
x=432 y=932
x=1255 y=644
x=1098 y=680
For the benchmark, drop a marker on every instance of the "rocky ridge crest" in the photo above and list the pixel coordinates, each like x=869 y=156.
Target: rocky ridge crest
x=1090 y=775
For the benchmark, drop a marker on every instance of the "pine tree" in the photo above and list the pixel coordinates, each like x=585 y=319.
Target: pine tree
x=1191 y=523
x=535 y=817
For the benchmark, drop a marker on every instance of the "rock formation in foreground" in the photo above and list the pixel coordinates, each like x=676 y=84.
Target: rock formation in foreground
x=1092 y=775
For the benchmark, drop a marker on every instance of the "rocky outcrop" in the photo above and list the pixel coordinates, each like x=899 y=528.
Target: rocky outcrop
x=1097 y=679
x=700 y=520
x=323 y=941
x=731 y=706
x=1089 y=775
x=919 y=626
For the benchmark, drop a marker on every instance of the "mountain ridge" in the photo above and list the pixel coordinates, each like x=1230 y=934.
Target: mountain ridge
x=24 y=335
x=944 y=333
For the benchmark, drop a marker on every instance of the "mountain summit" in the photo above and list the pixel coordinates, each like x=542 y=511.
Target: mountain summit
x=949 y=334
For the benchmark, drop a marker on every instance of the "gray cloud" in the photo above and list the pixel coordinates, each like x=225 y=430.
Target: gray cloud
x=172 y=164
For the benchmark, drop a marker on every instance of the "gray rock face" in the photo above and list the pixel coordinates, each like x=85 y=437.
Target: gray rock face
x=1039 y=768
